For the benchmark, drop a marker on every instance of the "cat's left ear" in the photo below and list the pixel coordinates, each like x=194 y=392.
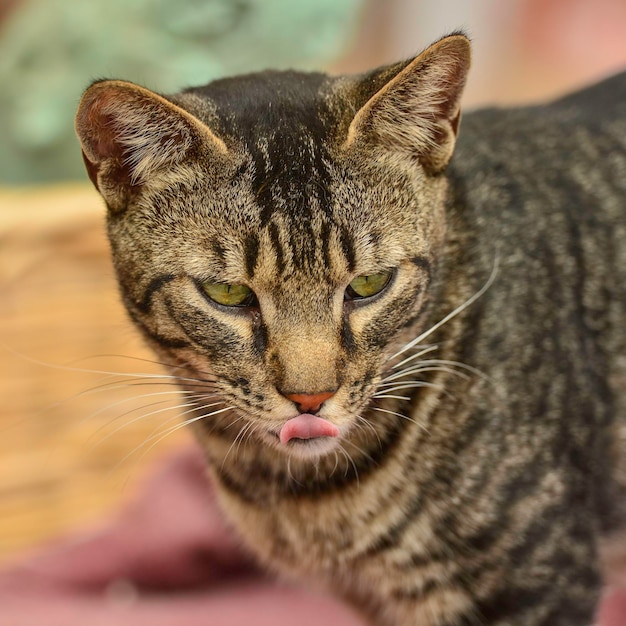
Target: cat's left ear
x=416 y=110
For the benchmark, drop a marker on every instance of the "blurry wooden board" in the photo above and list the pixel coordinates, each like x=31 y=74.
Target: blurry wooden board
x=72 y=440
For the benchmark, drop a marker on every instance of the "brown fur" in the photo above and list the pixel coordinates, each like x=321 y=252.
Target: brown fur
x=473 y=395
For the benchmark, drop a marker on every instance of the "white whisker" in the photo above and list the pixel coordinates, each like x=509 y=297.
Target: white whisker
x=139 y=418
x=173 y=366
x=386 y=395
x=396 y=385
x=237 y=438
x=354 y=467
x=129 y=399
x=425 y=350
x=359 y=449
x=459 y=364
x=452 y=314
x=158 y=438
x=290 y=475
x=423 y=367
x=405 y=417
x=191 y=407
x=362 y=421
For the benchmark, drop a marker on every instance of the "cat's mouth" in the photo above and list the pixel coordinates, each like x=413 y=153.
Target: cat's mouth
x=307 y=435
x=304 y=427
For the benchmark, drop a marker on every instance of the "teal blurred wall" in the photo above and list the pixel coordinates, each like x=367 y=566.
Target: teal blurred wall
x=50 y=50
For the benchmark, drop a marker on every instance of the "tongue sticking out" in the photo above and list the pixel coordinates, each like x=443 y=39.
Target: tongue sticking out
x=307 y=426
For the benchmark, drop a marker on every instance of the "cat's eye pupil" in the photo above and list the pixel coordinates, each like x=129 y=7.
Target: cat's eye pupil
x=229 y=294
x=367 y=285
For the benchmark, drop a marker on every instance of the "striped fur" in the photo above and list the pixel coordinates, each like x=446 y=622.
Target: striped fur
x=477 y=396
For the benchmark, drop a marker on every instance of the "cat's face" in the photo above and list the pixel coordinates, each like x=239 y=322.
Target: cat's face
x=276 y=252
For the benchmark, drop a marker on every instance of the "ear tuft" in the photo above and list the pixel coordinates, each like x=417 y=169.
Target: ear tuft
x=417 y=111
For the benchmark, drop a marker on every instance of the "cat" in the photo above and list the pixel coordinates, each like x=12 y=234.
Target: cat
x=406 y=352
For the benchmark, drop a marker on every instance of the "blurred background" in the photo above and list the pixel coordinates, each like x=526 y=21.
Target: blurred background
x=79 y=414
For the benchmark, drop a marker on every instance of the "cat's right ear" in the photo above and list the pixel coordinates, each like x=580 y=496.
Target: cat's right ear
x=129 y=135
x=413 y=108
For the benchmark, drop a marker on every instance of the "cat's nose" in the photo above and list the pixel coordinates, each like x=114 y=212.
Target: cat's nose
x=309 y=402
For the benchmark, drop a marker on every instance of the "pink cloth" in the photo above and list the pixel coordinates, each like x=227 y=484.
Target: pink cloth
x=170 y=560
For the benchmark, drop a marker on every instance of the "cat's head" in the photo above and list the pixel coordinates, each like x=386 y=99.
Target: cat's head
x=275 y=234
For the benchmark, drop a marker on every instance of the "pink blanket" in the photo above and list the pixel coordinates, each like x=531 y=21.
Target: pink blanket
x=170 y=560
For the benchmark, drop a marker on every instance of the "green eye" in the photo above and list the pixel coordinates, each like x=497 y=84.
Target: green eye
x=367 y=285
x=229 y=295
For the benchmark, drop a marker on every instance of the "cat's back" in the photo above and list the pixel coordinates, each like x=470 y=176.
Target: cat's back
x=571 y=139
x=547 y=184
x=543 y=189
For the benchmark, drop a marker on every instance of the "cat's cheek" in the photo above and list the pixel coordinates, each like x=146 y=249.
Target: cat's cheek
x=378 y=327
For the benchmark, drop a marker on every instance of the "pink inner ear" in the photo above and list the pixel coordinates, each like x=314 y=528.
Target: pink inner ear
x=92 y=170
x=95 y=124
x=94 y=132
x=105 y=145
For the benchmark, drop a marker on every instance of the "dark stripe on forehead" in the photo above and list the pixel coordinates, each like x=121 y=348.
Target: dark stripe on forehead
x=277 y=247
x=251 y=252
x=285 y=125
x=218 y=250
x=325 y=244
x=347 y=246
x=290 y=174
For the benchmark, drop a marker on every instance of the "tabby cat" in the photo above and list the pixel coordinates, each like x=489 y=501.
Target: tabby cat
x=408 y=370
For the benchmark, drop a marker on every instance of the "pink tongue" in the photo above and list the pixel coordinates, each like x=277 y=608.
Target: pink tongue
x=307 y=426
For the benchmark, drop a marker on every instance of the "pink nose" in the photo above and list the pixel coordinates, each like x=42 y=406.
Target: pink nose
x=309 y=402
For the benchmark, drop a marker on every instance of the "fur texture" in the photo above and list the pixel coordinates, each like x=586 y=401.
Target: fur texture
x=477 y=395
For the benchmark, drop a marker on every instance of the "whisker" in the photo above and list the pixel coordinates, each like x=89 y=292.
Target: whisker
x=191 y=407
x=248 y=435
x=237 y=440
x=336 y=462
x=425 y=350
x=385 y=395
x=359 y=449
x=395 y=385
x=453 y=313
x=201 y=417
x=167 y=433
x=139 y=418
x=405 y=417
x=354 y=467
x=81 y=370
x=460 y=365
x=401 y=385
x=137 y=358
x=290 y=475
x=193 y=398
x=111 y=386
x=424 y=368
x=163 y=426
x=121 y=401
x=362 y=421
x=251 y=432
